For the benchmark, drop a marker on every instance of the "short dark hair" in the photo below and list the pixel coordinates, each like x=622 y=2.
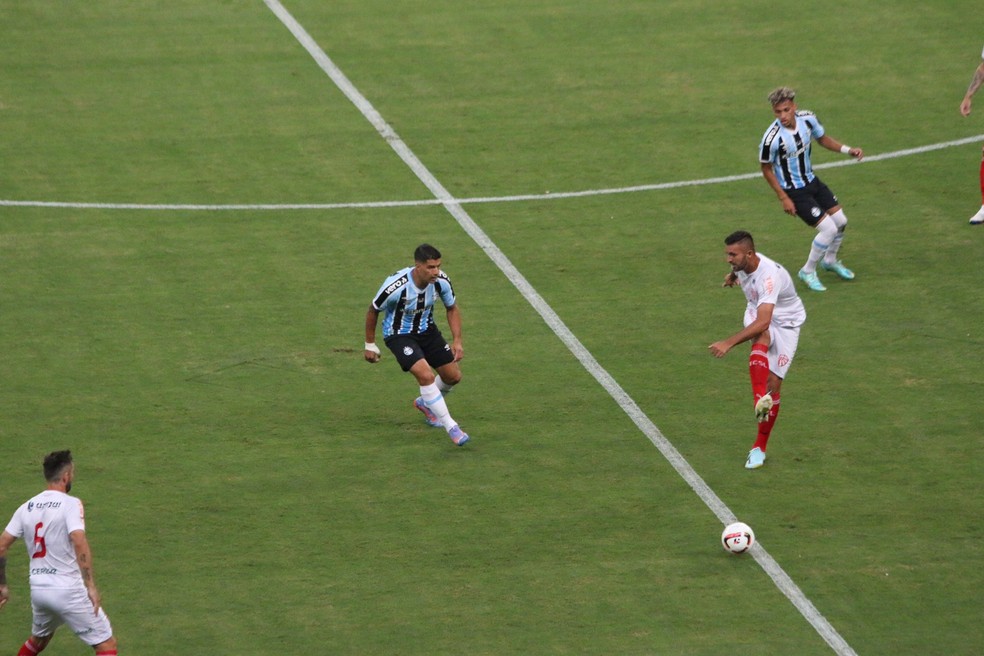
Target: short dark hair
x=55 y=464
x=426 y=252
x=739 y=236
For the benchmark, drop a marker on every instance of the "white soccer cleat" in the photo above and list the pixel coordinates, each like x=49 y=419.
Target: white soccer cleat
x=763 y=406
x=978 y=218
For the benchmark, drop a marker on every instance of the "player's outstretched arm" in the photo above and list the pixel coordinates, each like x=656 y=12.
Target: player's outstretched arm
x=832 y=144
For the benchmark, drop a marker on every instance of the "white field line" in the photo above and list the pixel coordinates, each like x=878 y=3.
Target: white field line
x=471 y=201
x=723 y=513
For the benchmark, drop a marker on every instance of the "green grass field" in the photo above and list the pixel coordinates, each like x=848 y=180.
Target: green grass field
x=254 y=487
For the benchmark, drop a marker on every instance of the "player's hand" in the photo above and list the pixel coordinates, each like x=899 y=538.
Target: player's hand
x=458 y=350
x=730 y=280
x=965 y=107
x=719 y=349
x=94 y=598
x=4 y=595
x=371 y=354
x=856 y=153
x=788 y=206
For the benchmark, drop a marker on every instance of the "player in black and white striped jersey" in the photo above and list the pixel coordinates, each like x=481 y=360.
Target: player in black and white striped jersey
x=784 y=154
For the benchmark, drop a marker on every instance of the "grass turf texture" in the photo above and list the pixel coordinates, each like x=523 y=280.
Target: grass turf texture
x=252 y=485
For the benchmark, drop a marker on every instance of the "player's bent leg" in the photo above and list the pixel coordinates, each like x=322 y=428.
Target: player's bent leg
x=978 y=218
x=422 y=372
x=826 y=232
x=830 y=261
x=448 y=376
x=35 y=644
x=107 y=648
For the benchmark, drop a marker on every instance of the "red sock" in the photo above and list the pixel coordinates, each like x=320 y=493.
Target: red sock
x=765 y=428
x=982 y=181
x=28 y=649
x=758 y=370
x=111 y=652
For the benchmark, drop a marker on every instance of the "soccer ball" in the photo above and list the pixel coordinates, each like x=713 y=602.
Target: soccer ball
x=737 y=538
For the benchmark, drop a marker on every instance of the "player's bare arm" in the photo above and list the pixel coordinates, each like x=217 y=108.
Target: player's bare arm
x=454 y=323
x=830 y=143
x=975 y=84
x=761 y=324
x=83 y=556
x=6 y=539
x=787 y=203
x=372 y=317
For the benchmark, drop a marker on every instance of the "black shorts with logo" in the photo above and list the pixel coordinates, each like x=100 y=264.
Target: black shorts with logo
x=429 y=346
x=812 y=201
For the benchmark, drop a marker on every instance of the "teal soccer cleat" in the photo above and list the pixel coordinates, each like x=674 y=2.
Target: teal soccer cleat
x=838 y=268
x=812 y=281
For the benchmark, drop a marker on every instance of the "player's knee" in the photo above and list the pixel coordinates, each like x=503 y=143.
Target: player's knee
x=827 y=229
x=109 y=645
x=450 y=375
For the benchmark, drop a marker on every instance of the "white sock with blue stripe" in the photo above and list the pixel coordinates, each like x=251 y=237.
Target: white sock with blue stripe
x=826 y=233
x=434 y=400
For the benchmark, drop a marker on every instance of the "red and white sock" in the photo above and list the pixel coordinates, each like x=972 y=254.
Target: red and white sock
x=28 y=649
x=765 y=427
x=758 y=370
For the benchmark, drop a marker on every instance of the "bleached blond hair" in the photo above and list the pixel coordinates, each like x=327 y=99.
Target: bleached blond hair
x=782 y=94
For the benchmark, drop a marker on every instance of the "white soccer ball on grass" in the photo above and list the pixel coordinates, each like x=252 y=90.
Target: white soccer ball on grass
x=737 y=538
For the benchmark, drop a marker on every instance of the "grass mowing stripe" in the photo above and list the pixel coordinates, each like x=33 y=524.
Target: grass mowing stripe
x=631 y=408
x=476 y=200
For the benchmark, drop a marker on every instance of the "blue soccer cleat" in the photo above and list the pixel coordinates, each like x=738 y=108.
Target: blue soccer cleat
x=457 y=435
x=429 y=415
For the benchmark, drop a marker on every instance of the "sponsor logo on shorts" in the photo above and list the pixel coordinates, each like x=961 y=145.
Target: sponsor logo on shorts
x=37 y=571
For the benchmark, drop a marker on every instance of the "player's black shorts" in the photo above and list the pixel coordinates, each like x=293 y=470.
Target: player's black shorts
x=429 y=346
x=812 y=201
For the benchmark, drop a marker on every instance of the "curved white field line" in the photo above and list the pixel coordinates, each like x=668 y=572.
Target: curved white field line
x=469 y=201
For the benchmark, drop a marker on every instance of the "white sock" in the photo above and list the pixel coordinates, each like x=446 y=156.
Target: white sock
x=840 y=220
x=434 y=400
x=826 y=233
x=441 y=385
